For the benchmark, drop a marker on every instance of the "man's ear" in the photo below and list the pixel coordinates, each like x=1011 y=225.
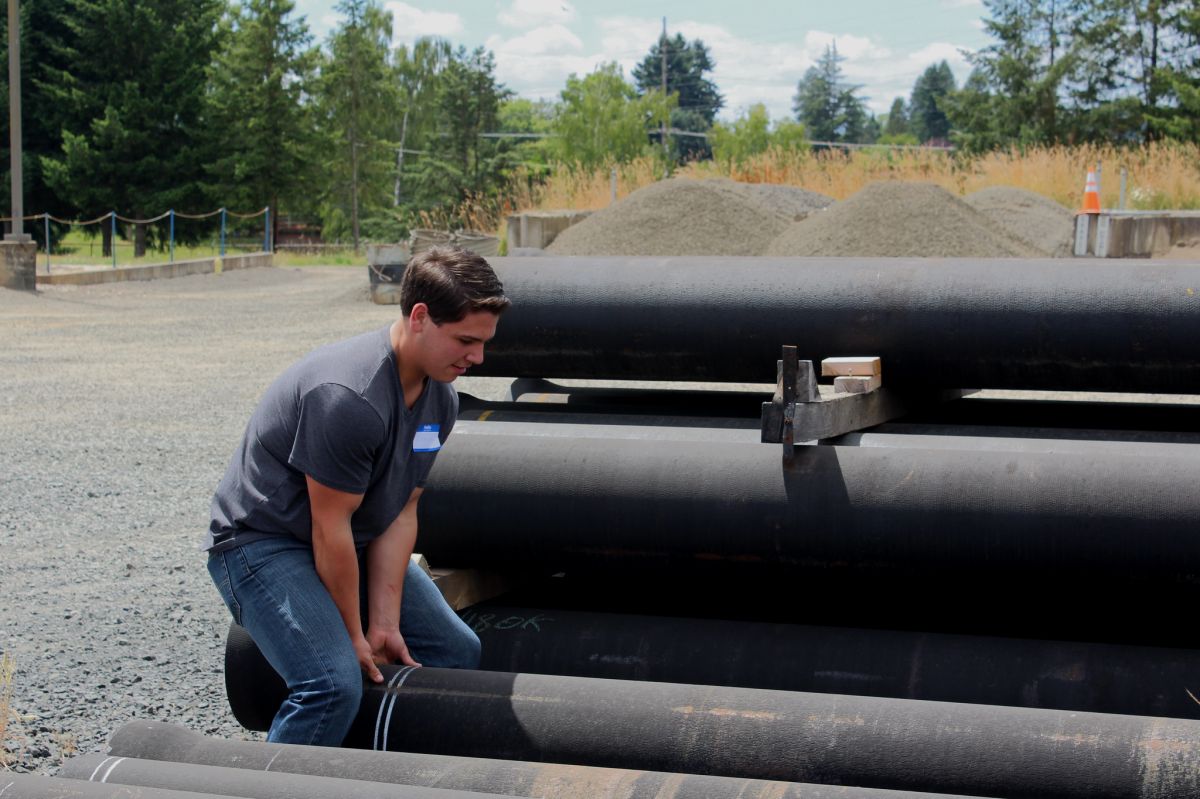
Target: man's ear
x=418 y=317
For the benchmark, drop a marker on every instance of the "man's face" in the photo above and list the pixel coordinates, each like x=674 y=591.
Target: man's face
x=449 y=349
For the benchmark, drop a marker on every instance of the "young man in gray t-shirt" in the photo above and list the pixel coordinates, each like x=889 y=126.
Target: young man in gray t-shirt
x=325 y=484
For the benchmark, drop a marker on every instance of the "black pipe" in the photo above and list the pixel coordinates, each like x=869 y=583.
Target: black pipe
x=519 y=502
x=1146 y=681
x=240 y=781
x=1103 y=325
x=28 y=786
x=898 y=744
x=168 y=742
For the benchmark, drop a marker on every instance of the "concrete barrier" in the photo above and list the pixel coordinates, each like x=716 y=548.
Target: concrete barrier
x=1135 y=234
x=538 y=229
x=248 y=261
x=200 y=266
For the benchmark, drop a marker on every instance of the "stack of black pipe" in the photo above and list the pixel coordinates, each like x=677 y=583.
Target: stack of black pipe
x=986 y=598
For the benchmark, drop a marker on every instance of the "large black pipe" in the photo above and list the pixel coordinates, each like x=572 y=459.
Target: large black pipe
x=511 y=501
x=28 y=786
x=898 y=744
x=1145 y=681
x=168 y=742
x=228 y=781
x=1104 y=325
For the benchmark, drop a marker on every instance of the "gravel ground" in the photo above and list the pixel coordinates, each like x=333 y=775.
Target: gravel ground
x=119 y=407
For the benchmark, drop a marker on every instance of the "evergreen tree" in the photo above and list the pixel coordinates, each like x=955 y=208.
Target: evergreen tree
x=1013 y=93
x=358 y=100
x=687 y=64
x=136 y=140
x=260 y=80
x=45 y=38
x=897 y=119
x=927 y=118
x=829 y=109
x=417 y=70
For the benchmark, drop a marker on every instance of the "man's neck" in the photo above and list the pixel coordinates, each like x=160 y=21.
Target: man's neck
x=412 y=378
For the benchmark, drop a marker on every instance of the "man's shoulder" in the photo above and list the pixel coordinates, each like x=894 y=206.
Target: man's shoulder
x=354 y=362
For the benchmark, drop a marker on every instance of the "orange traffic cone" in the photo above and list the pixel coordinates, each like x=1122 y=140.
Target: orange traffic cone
x=1091 y=194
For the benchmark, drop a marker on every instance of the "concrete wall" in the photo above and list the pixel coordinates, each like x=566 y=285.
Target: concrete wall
x=1136 y=234
x=199 y=266
x=254 y=259
x=539 y=228
x=17 y=265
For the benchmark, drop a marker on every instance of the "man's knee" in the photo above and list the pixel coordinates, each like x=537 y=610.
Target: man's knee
x=465 y=649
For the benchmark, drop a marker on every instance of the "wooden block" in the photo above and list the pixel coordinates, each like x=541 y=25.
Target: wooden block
x=462 y=588
x=419 y=559
x=847 y=384
x=859 y=366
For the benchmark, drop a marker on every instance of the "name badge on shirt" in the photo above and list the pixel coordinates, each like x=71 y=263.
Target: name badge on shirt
x=426 y=439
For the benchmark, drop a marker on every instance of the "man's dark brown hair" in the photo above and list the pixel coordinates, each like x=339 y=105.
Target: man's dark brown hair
x=453 y=282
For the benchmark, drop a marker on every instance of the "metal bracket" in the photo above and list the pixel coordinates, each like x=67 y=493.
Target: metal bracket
x=797 y=413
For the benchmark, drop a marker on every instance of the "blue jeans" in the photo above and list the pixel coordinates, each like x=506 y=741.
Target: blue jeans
x=272 y=589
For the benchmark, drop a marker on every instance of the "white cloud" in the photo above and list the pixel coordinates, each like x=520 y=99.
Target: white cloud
x=410 y=23
x=536 y=13
x=536 y=63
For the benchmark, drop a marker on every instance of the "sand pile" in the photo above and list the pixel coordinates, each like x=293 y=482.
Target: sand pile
x=1038 y=220
x=690 y=217
x=900 y=219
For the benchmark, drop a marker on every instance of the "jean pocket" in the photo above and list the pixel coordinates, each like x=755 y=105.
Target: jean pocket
x=218 y=568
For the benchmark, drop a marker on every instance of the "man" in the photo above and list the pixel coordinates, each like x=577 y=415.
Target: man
x=320 y=500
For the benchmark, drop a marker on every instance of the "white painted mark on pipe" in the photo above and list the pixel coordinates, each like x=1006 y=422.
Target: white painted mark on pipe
x=272 y=760
x=99 y=766
x=407 y=670
x=110 y=769
x=379 y=716
x=6 y=787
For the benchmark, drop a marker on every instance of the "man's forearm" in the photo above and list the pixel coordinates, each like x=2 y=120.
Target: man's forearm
x=337 y=566
x=387 y=563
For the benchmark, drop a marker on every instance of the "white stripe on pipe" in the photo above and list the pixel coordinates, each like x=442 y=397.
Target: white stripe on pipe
x=407 y=670
x=110 y=769
x=379 y=716
x=99 y=766
x=272 y=760
x=6 y=787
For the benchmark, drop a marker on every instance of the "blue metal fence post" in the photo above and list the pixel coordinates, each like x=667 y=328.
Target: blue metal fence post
x=47 y=218
x=113 y=217
x=267 y=229
x=171 y=213
x=222 y=232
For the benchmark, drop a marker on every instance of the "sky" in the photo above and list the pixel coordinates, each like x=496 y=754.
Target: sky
x=761 y=47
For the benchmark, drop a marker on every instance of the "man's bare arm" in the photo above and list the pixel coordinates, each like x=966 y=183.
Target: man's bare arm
x=337 y=562
x=387 y=563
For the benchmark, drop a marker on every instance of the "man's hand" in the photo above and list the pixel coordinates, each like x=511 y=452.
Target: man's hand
x=366 y=659
x=387 y=646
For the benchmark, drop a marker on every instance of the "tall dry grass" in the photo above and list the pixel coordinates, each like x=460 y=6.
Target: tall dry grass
x=1160 y=175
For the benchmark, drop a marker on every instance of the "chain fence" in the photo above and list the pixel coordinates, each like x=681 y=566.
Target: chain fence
x=172 y=233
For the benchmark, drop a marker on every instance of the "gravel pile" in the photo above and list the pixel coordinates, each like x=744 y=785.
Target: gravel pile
x=900 y=219
x=120 y=406
x=690 y=217
x=1038 y=220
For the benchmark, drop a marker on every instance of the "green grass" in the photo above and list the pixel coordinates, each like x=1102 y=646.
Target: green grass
x=78 y=248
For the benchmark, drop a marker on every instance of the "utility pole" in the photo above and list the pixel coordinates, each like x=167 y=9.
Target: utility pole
x=662 y=48
x=14 y=120
x=18 y=252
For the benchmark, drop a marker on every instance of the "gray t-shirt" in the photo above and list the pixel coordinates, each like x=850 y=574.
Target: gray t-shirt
x=337 y=415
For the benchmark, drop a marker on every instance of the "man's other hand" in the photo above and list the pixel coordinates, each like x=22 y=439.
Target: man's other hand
x=387 y=646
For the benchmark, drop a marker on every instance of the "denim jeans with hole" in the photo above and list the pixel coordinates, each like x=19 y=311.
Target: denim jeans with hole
x=272 y=589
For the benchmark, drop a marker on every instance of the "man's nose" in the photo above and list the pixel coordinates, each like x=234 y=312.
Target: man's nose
x=475 y=355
